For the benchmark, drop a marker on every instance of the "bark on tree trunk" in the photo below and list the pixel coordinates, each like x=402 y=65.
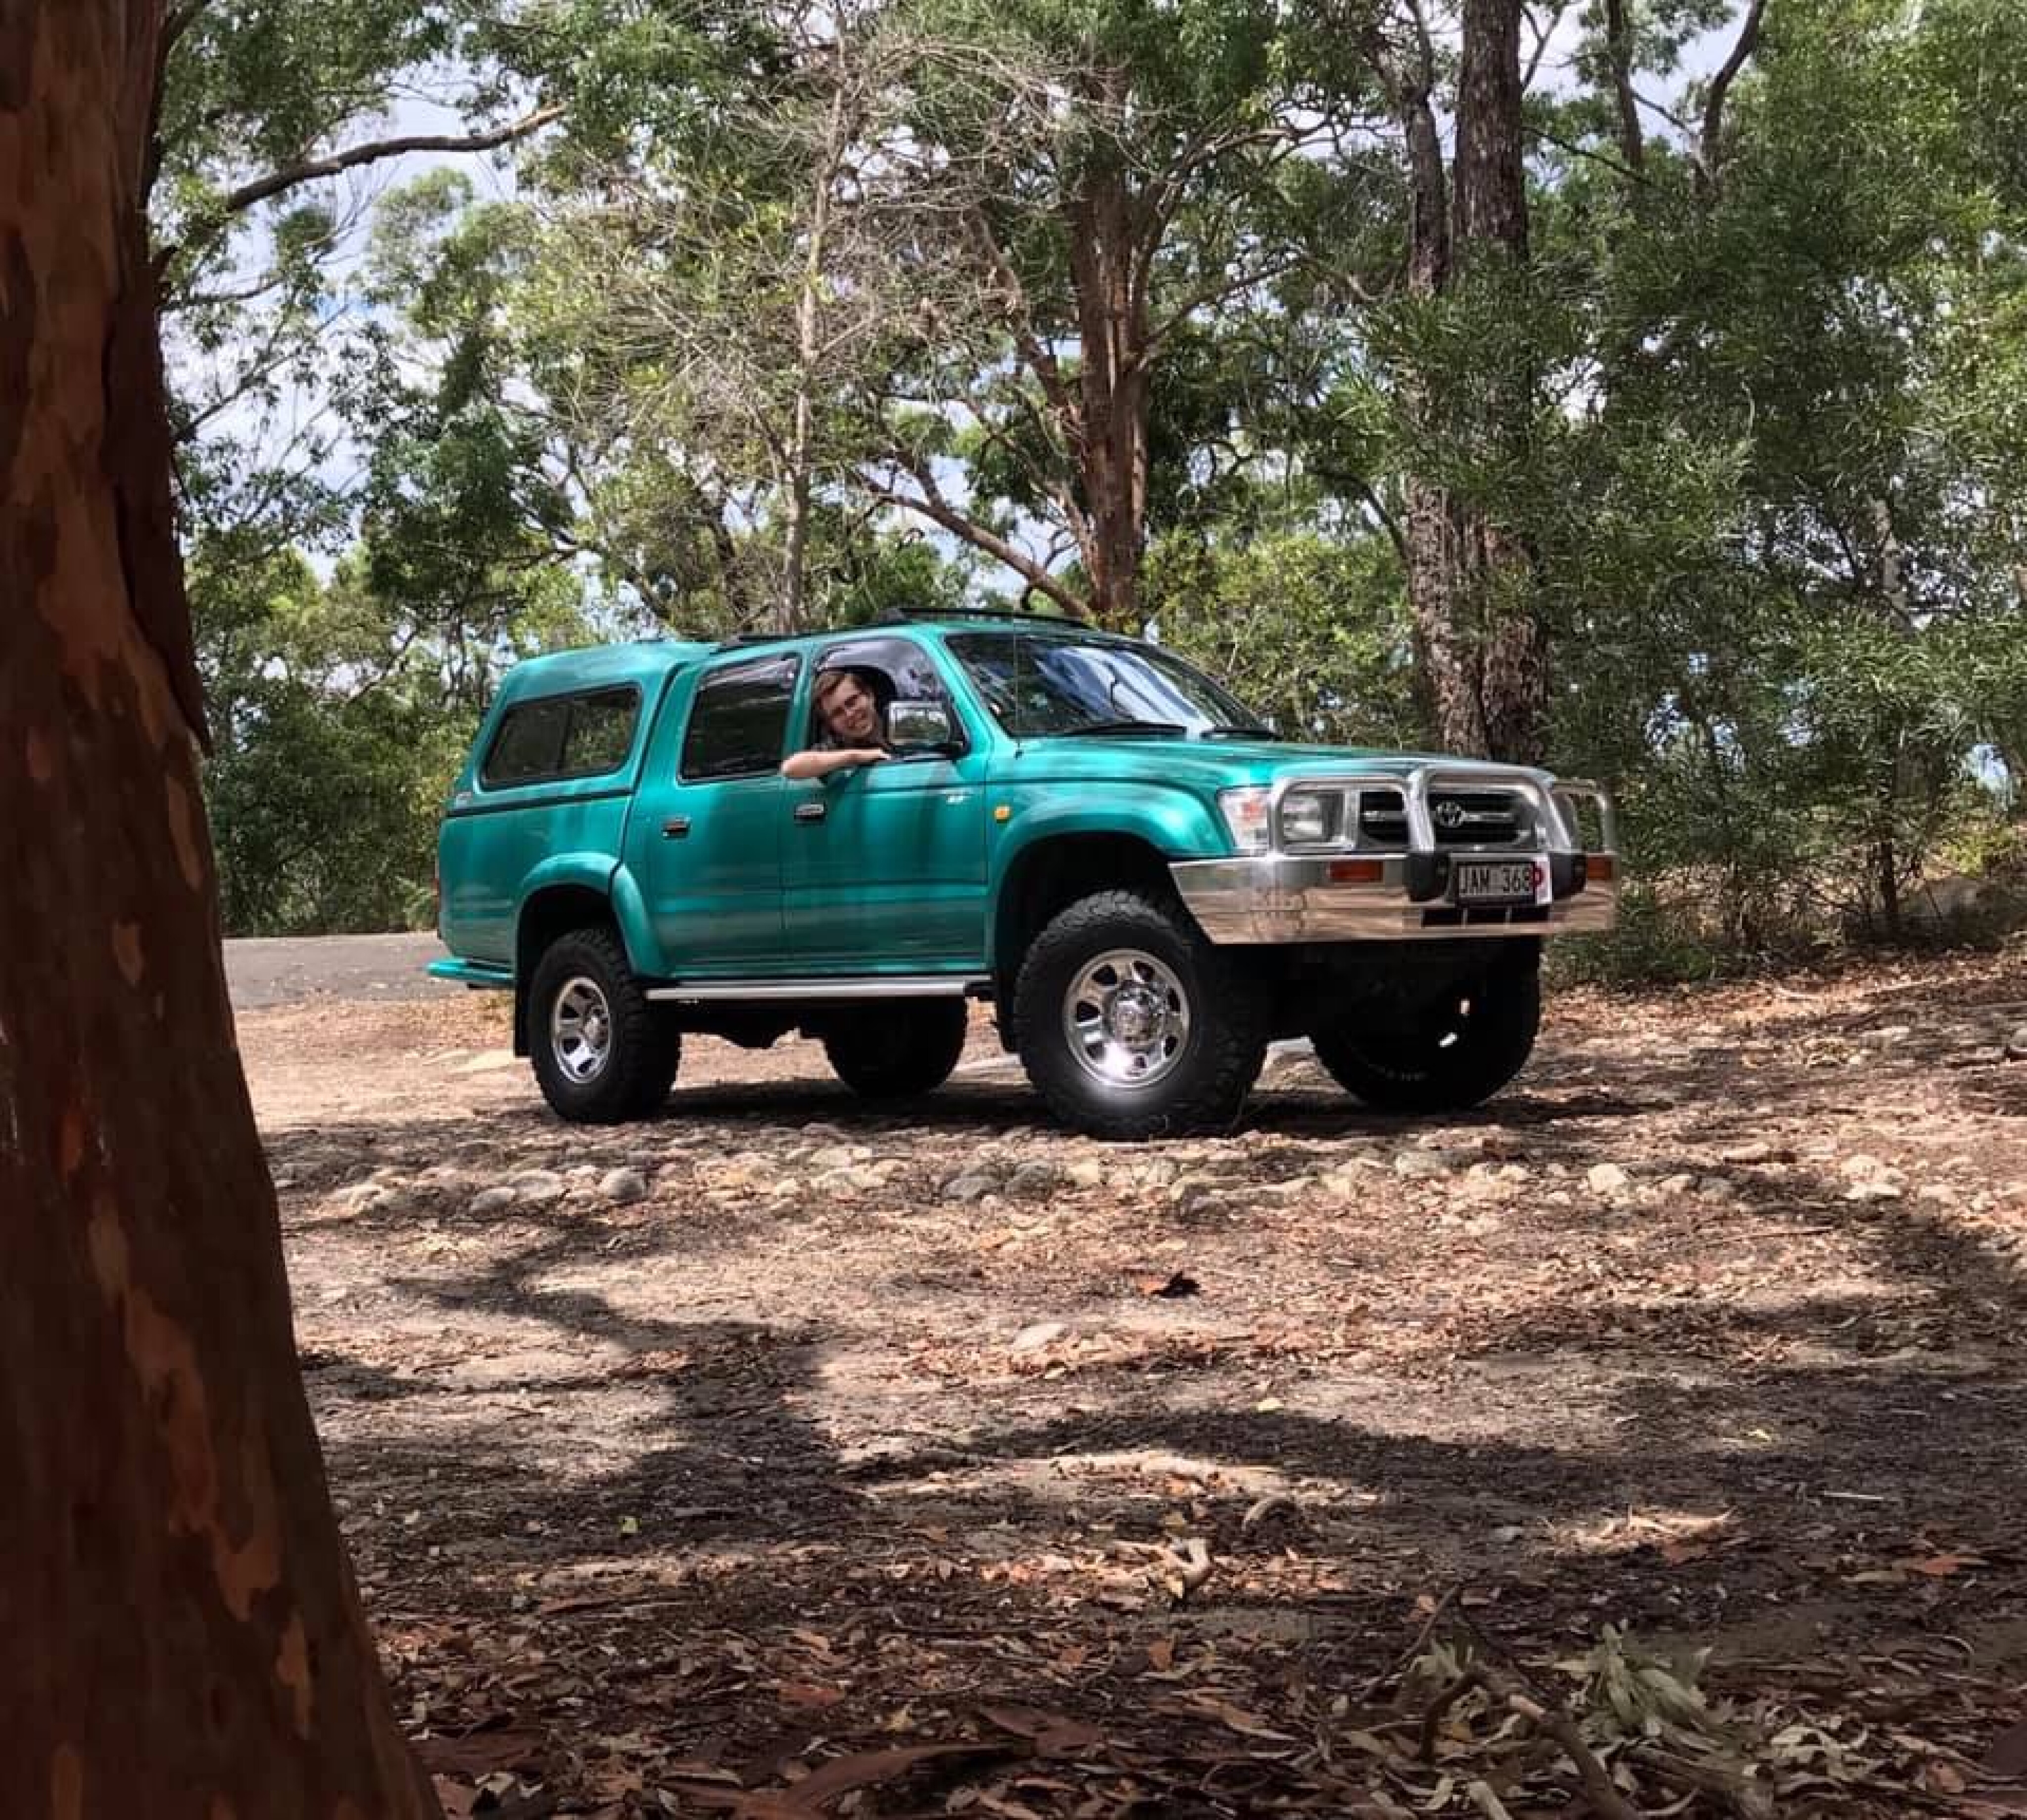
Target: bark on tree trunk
x=809 y=355
x=1886 y=863
x=1491 y=191
x=1107 y=269
x=1483 y=649
x=183 y=1638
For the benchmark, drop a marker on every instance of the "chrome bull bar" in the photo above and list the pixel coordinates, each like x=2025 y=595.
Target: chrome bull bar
x=1338 y=891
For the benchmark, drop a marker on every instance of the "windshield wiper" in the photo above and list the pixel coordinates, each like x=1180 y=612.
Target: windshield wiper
x=1112 y=728
x=1241 y=732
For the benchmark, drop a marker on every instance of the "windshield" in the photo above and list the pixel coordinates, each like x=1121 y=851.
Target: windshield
x=1037 y=684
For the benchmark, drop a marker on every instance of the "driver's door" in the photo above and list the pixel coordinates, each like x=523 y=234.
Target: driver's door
x=883 y=866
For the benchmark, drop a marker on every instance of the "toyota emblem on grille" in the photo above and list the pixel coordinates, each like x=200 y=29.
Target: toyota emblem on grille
x=1451 y=815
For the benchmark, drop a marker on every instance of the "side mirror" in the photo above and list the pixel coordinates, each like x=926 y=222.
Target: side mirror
x=919 y=726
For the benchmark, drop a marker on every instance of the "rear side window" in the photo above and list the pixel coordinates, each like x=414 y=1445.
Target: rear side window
x=562 y=736
x=601 y=733
x=739 y=720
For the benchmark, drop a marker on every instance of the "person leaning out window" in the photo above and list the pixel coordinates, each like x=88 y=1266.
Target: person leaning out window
x=852 y=734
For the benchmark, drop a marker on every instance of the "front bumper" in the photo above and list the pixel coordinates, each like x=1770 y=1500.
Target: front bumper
x=1353 y=894
x=1277 y=899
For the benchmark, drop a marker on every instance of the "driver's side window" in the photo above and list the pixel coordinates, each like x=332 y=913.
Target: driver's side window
x=893 y=671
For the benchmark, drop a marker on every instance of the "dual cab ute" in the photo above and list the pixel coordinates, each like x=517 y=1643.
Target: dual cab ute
x=1146 y=884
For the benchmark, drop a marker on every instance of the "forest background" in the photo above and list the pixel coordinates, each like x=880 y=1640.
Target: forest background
x=1638 y=386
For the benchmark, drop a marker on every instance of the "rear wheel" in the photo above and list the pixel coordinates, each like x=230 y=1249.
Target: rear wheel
x=898 y=1051
x=1131 y=1024
x=603 y=1053
x=1462 y=1048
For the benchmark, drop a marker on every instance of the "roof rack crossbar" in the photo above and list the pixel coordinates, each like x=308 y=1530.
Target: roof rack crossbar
x=902 y=616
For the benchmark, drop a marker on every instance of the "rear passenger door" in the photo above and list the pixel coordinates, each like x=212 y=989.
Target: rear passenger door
x=705 y=842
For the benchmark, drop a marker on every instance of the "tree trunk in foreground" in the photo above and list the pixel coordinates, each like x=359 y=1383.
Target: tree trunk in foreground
x=182 y=1635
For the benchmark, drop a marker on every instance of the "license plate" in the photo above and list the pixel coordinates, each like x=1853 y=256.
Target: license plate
x=1503 y=882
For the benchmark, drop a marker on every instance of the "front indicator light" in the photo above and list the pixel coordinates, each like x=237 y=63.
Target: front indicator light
x=1358 y=872
x=1601 y=866
x=1246 y=814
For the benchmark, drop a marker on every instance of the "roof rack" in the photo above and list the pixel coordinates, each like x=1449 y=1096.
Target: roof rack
x=902 y=616
x=740 y=639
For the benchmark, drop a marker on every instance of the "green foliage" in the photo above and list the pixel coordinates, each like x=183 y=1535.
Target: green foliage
x=332 y=760
x=1760 y=424
x=1307 y=629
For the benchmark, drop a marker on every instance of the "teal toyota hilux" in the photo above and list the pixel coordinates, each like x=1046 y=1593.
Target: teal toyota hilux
x=1146 y=884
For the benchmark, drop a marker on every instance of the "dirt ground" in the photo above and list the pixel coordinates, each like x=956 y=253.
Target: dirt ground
x=780 y=1458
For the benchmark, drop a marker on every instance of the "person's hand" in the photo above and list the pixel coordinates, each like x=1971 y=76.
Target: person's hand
x=869 y=755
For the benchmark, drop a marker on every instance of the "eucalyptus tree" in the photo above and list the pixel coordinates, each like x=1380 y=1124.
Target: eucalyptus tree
x=1153 y=172
x=1828 y=284
x=951 y=266
x=186 y=1638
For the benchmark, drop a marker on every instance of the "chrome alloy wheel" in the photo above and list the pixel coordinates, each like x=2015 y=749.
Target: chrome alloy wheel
x=581 y=1030
x=1126 y=1018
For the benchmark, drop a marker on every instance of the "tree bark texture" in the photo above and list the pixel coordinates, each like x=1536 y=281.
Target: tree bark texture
x=1110 y=436
x=1491 y=186
x=183 y=1638
x=1482 y=648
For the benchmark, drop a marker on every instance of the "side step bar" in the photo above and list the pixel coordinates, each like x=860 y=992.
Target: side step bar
x=893 y=986
x=477 y=973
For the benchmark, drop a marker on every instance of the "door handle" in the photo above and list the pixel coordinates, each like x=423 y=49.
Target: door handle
x=812 y=811
x=675 y=828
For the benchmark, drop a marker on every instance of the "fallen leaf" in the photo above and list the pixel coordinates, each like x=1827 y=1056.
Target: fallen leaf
x=1162 y=1652
x=1237 y=1718
x=866 y=1769
x=1051 y=1736
x=808 y=1693
x=1939 y=1567
x=2008 y=1754
x=478 y=1754
x=456 y=1799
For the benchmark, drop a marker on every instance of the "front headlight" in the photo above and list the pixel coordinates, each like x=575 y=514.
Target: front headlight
x=1246 y=814
x=1308 y=818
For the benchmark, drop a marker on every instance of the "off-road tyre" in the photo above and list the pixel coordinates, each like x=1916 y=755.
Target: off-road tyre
x=900 y=1050
x=1203 y=1085
x=1478 y=1037
x=643 y=1047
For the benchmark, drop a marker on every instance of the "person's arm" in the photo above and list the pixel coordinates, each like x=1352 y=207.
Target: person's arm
x=815 y=764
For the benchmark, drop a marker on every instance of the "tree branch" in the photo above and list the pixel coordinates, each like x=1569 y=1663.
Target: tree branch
x=1577 y=151
x=1210 y=295
x=932 y=505
x=996 y=436
x=247 y=195
x=1019 y=321
x=1749 y=38
x=1619 y=53
x=1387 y=521
x=176 y=22
x=1542 y=35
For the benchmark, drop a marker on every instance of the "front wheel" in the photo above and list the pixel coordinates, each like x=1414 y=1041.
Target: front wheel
x=1131 y=1024
x=1461 y=1048
x=603 y=1053
x=899 y=1050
